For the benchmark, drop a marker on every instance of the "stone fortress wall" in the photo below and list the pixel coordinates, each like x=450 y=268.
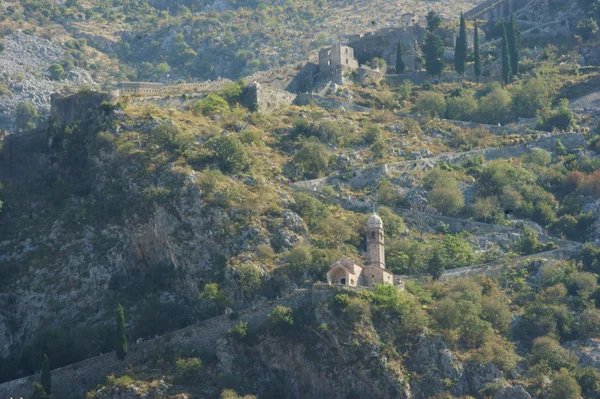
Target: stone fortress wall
x=73 y=381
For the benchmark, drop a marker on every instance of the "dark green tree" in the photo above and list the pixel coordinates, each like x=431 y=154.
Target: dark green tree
x=476 y=55
x=120 y=334
x=46 y=378
x=400 y=67
x=436 y=265
x=433 y=21
x=514 y=41
x=506 y=73
x=433 y=49
x=460 y=50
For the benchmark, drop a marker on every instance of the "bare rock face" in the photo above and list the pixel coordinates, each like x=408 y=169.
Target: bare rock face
x=512 y=392
x=133 y=392
x=440 y=371
x=24 y=63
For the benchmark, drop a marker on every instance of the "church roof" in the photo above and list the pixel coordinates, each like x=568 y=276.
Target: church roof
x=347 y=263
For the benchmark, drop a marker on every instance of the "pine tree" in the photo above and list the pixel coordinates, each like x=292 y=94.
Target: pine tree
x=46 y=378
x=400 y=67
x=121 y=336
x=433 y=50
x=433 y=21
x=513 y=44
x=505 y=58
x=476 y=55
x=460 y=50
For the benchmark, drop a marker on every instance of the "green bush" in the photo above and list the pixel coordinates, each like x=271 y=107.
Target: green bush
x=549 y=350
x=212 y=104
x=281 y=319
x=463 y=107
x=239 y=331
x=430 y=104
x=229 y=154
x=564 y=386
x=188 y=370
x=56 y=72
x=495 y=107
x=309 y=162
x=26 y=116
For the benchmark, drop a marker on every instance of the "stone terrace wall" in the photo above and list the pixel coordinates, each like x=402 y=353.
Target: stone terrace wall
x=75 y=380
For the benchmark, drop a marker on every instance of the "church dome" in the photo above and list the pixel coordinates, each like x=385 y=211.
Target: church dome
x=374 y=220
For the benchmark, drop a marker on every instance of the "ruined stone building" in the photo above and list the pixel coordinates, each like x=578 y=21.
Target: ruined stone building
x=354 y=274
x=337 y=56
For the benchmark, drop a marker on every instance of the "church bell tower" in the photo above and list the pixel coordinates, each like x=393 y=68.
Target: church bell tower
x=375 y=247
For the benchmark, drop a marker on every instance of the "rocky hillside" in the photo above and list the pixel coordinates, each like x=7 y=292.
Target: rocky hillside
x=25 y=65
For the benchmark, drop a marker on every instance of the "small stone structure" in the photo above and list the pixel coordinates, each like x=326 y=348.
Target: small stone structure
x=337 y=56
x=334 y=64
x=353 y=274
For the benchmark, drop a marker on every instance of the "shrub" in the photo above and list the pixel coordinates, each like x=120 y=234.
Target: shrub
x=231 y=394
x=56 y=72
x=310 y=161
x=564 y=386
x=212 y=104
x=188 y=370
x=589 y=324
x=587 y=29
x=26 y=116
x=549 y=350
x=538 y=156
x=311 y=209
x=446 y=197
x=562 y=118
x=281 y=318
x=229 y=154
x=499 y=352
x=495 y=107
x=430 y=104
x=462 y=108
x=239 y=331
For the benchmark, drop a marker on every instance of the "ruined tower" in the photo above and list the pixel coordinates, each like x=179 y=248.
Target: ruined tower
x=375 y=247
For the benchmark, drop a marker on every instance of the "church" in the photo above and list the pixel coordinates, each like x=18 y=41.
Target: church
x=348 y=272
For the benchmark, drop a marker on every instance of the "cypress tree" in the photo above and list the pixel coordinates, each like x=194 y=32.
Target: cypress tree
x=433 y=50
x=46 y=378
x=400 y=67
x=505 y=58
x=513 y=45
x=121 y=336
x=476 y=55
x=460 y=50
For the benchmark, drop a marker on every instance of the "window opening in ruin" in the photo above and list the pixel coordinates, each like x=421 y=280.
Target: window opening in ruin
x=343 y=281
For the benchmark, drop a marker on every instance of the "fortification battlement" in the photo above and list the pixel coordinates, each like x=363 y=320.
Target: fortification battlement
x=154 y=89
